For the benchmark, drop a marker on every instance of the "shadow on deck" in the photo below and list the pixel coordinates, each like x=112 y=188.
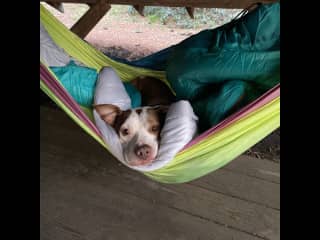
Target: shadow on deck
x=86 y=194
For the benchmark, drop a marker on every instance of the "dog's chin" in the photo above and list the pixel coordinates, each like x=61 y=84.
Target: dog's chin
x=134 y=161
x=139 y=162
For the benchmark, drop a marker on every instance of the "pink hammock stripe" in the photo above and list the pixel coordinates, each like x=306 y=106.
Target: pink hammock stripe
x=67 y=99
x=259 y=102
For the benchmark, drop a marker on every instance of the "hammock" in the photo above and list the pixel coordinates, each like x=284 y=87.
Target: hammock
x=209 y=151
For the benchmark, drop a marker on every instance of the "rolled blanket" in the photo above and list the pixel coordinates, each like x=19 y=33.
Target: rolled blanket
x=81 y=81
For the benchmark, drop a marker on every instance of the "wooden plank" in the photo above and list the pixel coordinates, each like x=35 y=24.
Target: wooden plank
x=218 y=208
x=74 y=207
x=148 y=199
x=232 y=4
x=90 y=18
x=242 y=187
x=93 y=165
x=254 y=167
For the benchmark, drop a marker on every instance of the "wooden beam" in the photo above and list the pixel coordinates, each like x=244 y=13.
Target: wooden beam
x=90 y=4
x=190 y=11
x=139 y=9
x=90 y=18
x=71 y=1
x=232 y=4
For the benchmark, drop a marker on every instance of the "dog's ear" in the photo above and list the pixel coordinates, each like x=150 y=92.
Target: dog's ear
x=162 y=109
x=162 y=112
x=136 y=82
x=107 y=112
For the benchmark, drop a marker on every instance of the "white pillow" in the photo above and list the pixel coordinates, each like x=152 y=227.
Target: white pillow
x=50 y=53
x=179 y=128
x=110 y=90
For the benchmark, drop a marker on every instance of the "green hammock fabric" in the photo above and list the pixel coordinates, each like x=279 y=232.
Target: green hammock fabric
x=199 y=159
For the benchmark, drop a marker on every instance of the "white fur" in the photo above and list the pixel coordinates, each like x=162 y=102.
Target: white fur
x=179 y=128
x=137 y=125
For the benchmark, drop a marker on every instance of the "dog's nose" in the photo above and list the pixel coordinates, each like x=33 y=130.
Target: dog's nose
x=143 y=152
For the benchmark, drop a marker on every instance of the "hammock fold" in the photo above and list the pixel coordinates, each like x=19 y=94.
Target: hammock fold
x=211 y=150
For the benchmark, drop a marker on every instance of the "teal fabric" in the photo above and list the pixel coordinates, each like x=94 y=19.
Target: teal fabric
x=219 y=102
x=134 y=94
x=80 y=82
x=223 y=69
x=218 y=70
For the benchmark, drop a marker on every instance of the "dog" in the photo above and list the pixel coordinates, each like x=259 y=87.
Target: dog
x=139 y=129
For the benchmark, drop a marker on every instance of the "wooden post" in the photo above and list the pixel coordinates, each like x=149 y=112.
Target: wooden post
x=57 y=6
x=139 y=9
x=90 y=18
x=190 y=11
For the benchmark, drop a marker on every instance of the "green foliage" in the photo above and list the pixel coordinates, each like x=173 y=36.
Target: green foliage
x=178 y=17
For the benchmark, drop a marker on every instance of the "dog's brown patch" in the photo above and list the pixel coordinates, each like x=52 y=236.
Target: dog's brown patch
x=153 y=91
x=120 y=119
x=155 y=121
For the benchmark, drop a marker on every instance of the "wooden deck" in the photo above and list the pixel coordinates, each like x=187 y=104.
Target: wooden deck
x=86 y=194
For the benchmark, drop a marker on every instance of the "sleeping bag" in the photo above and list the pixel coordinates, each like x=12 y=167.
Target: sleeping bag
x=223 y=69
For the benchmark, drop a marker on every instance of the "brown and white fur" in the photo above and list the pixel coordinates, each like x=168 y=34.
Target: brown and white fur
x=139 y=129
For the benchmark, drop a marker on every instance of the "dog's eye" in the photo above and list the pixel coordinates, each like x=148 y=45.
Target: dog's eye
x=125 y=132
x=154 y=128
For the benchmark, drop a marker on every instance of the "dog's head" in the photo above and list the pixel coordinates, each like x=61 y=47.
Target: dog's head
x=138 y=130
